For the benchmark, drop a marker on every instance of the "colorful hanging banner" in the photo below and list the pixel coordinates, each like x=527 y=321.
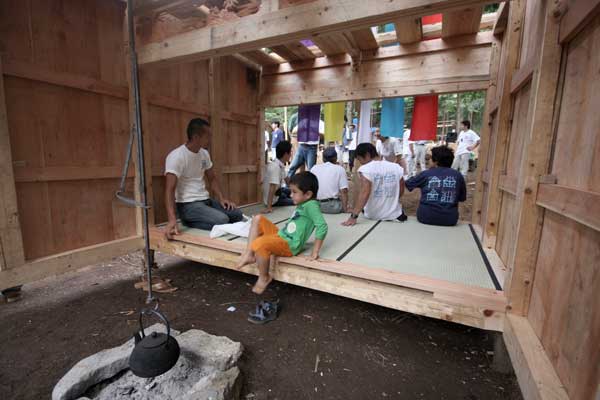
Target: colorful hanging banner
x=308 y=123
x=392 y=117
x=364 y=124
x=424 y=120
x=334 y=121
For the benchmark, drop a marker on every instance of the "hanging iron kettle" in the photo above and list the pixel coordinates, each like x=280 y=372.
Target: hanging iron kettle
x=156 y=353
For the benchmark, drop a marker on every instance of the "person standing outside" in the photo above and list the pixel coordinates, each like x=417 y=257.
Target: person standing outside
x=276 y=136
x=274 y=192
x=467 y=141
x=187 y=170
x=333 y=184
x=349 y=142
x=381 y=186
x=408 y=155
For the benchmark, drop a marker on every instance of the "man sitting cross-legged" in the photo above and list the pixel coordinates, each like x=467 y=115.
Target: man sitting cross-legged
x=333 y=183
x=187 y=169
x=274 y=193
x=381 y=185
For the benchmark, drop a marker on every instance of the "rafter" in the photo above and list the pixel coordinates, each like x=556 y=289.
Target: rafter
x=461 y=22
x=409 y=30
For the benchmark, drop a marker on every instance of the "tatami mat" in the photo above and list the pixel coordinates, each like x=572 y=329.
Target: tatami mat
x=447 y=253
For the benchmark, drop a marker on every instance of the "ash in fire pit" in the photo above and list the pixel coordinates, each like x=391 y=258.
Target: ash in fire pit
x=205 y=370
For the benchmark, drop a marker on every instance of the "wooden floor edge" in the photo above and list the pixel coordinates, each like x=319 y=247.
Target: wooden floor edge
x=57 y=264
x=415 y=301
x=536 y=376
x=490 y=299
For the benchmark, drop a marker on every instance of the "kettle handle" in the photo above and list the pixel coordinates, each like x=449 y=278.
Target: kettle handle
x=159 y=315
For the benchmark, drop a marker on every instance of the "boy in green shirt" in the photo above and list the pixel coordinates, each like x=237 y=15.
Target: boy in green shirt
x=266 y=242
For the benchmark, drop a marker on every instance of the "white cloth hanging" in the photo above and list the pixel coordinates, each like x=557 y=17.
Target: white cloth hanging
x=364 y=124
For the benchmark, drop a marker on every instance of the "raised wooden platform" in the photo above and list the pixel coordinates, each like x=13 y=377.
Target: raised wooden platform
x=469 y=305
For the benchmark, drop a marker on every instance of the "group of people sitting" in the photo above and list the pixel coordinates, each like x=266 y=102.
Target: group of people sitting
x=324 y=189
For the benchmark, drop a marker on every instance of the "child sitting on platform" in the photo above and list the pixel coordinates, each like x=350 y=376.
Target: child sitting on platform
x=266 y=242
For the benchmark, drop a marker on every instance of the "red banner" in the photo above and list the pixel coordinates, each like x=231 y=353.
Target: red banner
x=424 y=120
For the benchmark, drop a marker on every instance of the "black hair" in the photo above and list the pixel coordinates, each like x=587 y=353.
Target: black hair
x=283 y=148
x=196 y=127
x=276 y=123
x=332 y=159
x=443 y=156
x=466 y=123
x=306 y=181
x=366 y=148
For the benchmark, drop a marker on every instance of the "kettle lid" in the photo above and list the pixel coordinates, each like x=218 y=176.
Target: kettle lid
x=153 y=340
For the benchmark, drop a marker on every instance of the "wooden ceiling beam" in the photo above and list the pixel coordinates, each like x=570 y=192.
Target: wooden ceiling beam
x=461 y=22
x=501 y=20
x=144 y=8
x=364 y=39
x=260 y=57
x=294 y=51
x=289 y=24
x=409 y=30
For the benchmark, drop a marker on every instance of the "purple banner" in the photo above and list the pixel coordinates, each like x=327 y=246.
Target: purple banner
x=308 y=123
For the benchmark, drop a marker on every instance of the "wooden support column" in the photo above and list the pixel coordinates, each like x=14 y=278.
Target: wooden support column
x=11 y=240
x=217 y=146
x=486 y=132
x=534 y=164
x=504 y=116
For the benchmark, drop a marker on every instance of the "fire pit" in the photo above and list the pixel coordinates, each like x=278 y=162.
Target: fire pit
x=205 y=370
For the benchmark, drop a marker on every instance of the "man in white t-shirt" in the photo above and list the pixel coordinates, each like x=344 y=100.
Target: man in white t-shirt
x=466 y=142
x=349 y=141
x=333 y=183
x=187 y=169
x=274 y=192
x=408 y=155
x=388 y=148
x=381 y=185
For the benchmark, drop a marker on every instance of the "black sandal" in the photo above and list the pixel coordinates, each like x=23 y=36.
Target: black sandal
x=266 y=311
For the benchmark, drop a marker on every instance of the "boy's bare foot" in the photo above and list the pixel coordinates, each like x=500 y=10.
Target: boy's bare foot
x=261 y=284
x=245 y=259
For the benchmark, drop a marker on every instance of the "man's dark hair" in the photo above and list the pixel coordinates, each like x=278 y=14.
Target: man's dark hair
x=276 y=123
x=466 y=123
x=330 y=155
x=306 y=181
x=283 y=148
x=196 y=126
x=443 y=156
x=365 y=148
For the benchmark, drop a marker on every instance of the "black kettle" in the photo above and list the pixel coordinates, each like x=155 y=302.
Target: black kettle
x=156 y=353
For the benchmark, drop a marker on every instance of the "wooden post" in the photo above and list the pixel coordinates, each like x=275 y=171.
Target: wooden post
x=504 y=115
x=216 y=122
x=537 y=148
x=486 y=132
x=11 y=241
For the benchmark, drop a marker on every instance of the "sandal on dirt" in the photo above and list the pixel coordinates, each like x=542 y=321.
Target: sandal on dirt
x=265 y=312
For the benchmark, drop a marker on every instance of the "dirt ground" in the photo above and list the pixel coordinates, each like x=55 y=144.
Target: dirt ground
x=363 y=351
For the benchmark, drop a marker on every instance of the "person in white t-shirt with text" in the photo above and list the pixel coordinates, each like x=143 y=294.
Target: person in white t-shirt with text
x=466 y=142
x=390 y=149
x=274 y=192
x=381 y=185
x=188 y=169
x=333 y=183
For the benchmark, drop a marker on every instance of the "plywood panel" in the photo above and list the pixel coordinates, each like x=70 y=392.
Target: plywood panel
x=518 y=132
x=507 y=228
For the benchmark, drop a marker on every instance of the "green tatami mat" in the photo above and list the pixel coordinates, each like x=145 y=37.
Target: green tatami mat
x=446 y=253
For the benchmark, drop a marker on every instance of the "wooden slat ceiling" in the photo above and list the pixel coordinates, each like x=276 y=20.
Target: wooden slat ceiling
x=294 y=51
x=333 y=44
x=260 y=57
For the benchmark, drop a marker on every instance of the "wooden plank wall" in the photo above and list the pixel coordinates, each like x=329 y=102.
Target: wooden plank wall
x=65 y=82
x=66 y=97
x=565 y=305
x=542 y=214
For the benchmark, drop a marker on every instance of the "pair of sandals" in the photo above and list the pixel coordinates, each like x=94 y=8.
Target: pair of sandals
x=266 y=311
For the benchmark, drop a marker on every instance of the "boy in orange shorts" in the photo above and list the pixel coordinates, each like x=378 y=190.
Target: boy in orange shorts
x=266 y=241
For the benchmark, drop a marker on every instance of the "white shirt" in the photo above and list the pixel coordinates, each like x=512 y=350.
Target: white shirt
x=384 y=201
x=189 y=168
x=274 y=174
x=465 y=139
x=389 y=149
x=332 y=179
x=406 y=143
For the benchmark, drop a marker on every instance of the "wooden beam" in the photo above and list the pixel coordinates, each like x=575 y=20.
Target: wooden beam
x=421 y=302
x=535 y=162
x=47 y=174
x=502 y=19
x=176 y=104
x=237 y=117
x=508 y=184
x=448 y=71
x=34 y=72
x=510 y=58
x=578 y=14
x=432 y=31
x=247 y=62
x=11 y=240
x=240 y=169
x=461 y=22
x=293 y=52
x=408 y=30
x=68 y=261
x=364 y=39
x=523 y=75
x=423 y=47
x=333 y=44
x=151 y=7
x=579 y=205
x=536 y=375
x=289 y=24
x=260 y=57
